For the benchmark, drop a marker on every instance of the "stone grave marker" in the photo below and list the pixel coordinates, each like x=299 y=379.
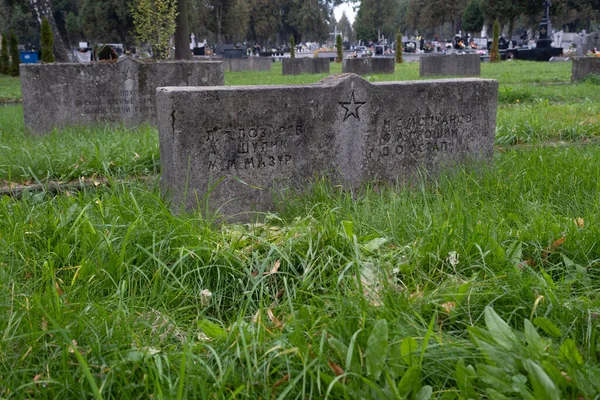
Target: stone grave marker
x=297 y=66
x=450 y=65
x=369 y=65
x=248 y=64
x=58 y=95
x=584 y=66
x=233 y=147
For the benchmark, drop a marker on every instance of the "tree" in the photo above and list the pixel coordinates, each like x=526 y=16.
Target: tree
x=292 y=47
x=472 y=20
x=4 y=61
x=41 y=9
x=306 y=19
x=105 y=21
x=154 y=22
x=264 y=20
x=14 y=55
x=374 y=18
x=344 y=27
x=182 y=31
x=47 y=42
x=494 y=51
x=399 y=48
x=338 y=44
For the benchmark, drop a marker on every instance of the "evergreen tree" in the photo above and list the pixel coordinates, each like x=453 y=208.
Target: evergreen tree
x=399 y=48
x=472 y=19
x=4 y=62
x=47 y=42
x=494 y=51
x=292 y=47
x=14 y=55
x=338 y=44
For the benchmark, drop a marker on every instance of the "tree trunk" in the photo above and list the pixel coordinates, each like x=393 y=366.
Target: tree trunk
x=182 y=32
x=43 y=8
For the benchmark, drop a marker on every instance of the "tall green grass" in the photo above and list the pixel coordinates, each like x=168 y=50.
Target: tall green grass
x=107 y=286
x=481 y=282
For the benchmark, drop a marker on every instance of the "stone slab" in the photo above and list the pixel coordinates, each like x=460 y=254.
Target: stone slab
x=450 y=65
x=59 y=95
x=584 y=66
x=248 y=64
x=297 y=66
x=369 y=66
x=236 y=146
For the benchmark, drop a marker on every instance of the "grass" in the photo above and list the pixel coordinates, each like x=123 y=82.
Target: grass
x=479 y=283
x=10 y=88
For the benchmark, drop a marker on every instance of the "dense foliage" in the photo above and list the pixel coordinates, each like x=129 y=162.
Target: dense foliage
x=495 y=49
x=399 y=49
x=4 y=59
x=154 y=23
x=47 y=42
x=15 y=59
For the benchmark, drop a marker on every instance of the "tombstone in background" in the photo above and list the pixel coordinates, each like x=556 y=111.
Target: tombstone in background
x=450 y=65
x=247 y=64
x=297 y=66
x=368 y=66
x=583 y=67
x=231 y=147
x=58 y=95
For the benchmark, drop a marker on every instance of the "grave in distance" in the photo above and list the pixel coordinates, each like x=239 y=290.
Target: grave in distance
x=297 y=66
x=450 y=65
x=583 y=67
x=58 y=95
x=369 y=65
x=248 y=64
x=231 y=147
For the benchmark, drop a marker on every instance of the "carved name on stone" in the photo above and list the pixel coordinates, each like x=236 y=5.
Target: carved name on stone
x=234 y=145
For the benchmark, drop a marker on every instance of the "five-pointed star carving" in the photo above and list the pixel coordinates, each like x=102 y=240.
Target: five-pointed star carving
x=129 y=74
x=352 y=107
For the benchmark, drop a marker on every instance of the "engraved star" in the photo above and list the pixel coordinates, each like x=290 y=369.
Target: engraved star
x=352 y=107
x=129 y=74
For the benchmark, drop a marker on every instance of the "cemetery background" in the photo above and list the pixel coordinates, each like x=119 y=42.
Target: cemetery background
x=480 y=281
x=378 y=292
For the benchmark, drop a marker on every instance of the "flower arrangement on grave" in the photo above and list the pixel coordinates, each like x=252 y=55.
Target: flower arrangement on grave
x=410 y=47
x=428 y=48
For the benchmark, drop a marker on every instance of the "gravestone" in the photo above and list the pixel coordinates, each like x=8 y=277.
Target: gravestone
x=583 y=67
x=450 y=65
x=248 y=64
x=58 y=95
x=231 y=147
x=368 y=66
x=297 y=66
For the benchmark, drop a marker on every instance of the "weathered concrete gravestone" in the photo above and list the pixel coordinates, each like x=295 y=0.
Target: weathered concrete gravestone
x=233 y=145
x=584 y=66
x=370 y=65
x=248 y=64
x=68 y=94
x=450 y=65
x=297 y=66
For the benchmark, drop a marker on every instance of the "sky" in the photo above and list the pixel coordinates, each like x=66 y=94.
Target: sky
x=344 y=7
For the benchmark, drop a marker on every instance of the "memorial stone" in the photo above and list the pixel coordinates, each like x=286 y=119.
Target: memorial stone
x=583 y=67
x=58 y=95
x=297 y=66
x=450 y=65
x=368 y=66
x=232 y=148
x=248 y=64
